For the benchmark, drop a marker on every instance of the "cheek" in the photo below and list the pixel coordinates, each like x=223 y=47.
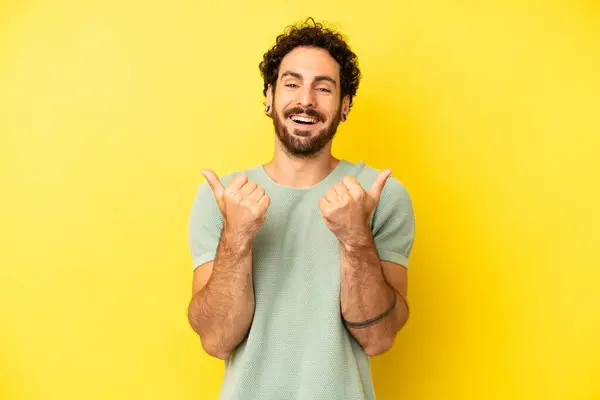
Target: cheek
x=281 y=106
x=282 y=99
x=333 y=109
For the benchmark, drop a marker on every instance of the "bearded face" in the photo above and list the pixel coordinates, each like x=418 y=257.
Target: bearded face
x=306 y=101
x=304 y=132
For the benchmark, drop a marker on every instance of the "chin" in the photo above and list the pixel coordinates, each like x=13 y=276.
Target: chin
x=303 y=133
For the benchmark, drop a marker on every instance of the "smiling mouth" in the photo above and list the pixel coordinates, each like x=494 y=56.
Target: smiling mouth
x=304 y=120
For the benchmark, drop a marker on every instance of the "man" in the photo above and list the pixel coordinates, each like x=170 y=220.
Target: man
x=300 y=263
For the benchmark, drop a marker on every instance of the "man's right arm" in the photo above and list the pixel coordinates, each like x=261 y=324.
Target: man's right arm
x=222 y=305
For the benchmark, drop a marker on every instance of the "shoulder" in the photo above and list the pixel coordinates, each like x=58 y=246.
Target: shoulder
x=393 y=217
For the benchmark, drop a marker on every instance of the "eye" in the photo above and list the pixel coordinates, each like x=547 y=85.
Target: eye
x=324 y=90
x=291 y=85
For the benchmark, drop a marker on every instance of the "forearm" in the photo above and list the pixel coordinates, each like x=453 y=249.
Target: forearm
x=221 y=313
x=366 y=294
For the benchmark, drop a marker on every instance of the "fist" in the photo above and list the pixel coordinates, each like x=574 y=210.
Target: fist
x=346 y=208
x=243 y=204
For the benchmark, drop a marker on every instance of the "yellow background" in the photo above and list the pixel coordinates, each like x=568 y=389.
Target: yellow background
x=486 y=110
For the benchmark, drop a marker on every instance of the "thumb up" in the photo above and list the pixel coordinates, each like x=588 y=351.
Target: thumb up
x=243 y=204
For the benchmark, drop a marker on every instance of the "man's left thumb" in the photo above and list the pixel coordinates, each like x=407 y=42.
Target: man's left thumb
x=377 y=187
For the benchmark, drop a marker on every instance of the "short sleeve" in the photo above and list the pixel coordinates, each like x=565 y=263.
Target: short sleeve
x=205 y=226
x=393 y=223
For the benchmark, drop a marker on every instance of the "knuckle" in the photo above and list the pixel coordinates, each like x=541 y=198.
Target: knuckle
x=244 y=202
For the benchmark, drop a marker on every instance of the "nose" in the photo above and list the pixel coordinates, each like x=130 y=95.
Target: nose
x=306 y=97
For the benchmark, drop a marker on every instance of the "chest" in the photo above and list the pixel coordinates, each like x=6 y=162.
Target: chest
x=295 y=254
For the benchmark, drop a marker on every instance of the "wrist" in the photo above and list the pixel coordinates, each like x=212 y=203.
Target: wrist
x=237 y=238
x=359 y=242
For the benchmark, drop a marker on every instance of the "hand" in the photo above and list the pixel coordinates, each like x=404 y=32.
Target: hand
x=346 y=208
x=243 y=204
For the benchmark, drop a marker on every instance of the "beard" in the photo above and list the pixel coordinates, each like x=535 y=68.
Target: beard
x=301 y=143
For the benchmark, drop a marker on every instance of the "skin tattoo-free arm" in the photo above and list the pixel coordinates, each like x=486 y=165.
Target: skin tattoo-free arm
x=222 y=307
x=222 y=310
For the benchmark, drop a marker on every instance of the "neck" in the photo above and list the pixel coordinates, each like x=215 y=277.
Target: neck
x=298 y=172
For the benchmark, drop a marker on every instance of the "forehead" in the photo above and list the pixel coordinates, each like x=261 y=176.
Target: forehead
x=310 y=62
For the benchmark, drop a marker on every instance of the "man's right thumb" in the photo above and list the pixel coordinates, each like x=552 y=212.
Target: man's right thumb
x=213 y=181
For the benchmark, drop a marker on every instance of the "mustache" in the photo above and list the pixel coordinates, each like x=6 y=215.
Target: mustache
x=311 y=112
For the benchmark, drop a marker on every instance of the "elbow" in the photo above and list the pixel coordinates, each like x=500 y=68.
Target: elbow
x=211 y=346
x=376 y=348
x=213 y=349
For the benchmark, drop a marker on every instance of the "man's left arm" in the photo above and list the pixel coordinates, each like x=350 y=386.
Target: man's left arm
x=373 y=297
x=375 y=229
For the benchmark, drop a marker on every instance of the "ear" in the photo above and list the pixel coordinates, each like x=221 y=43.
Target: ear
x=345 y=107
x=269 y=100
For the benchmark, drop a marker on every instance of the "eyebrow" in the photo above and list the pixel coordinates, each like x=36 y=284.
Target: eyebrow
x=317 y=78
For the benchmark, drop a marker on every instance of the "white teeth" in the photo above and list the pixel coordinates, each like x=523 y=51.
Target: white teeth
x=298 y=118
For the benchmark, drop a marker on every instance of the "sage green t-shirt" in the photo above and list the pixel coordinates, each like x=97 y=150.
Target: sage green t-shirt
x=298 y=347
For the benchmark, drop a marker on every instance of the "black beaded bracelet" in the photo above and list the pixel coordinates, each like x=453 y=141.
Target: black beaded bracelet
x=376 y=319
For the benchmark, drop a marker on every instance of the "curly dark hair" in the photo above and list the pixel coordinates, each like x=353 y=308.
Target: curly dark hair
x=315 y=35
